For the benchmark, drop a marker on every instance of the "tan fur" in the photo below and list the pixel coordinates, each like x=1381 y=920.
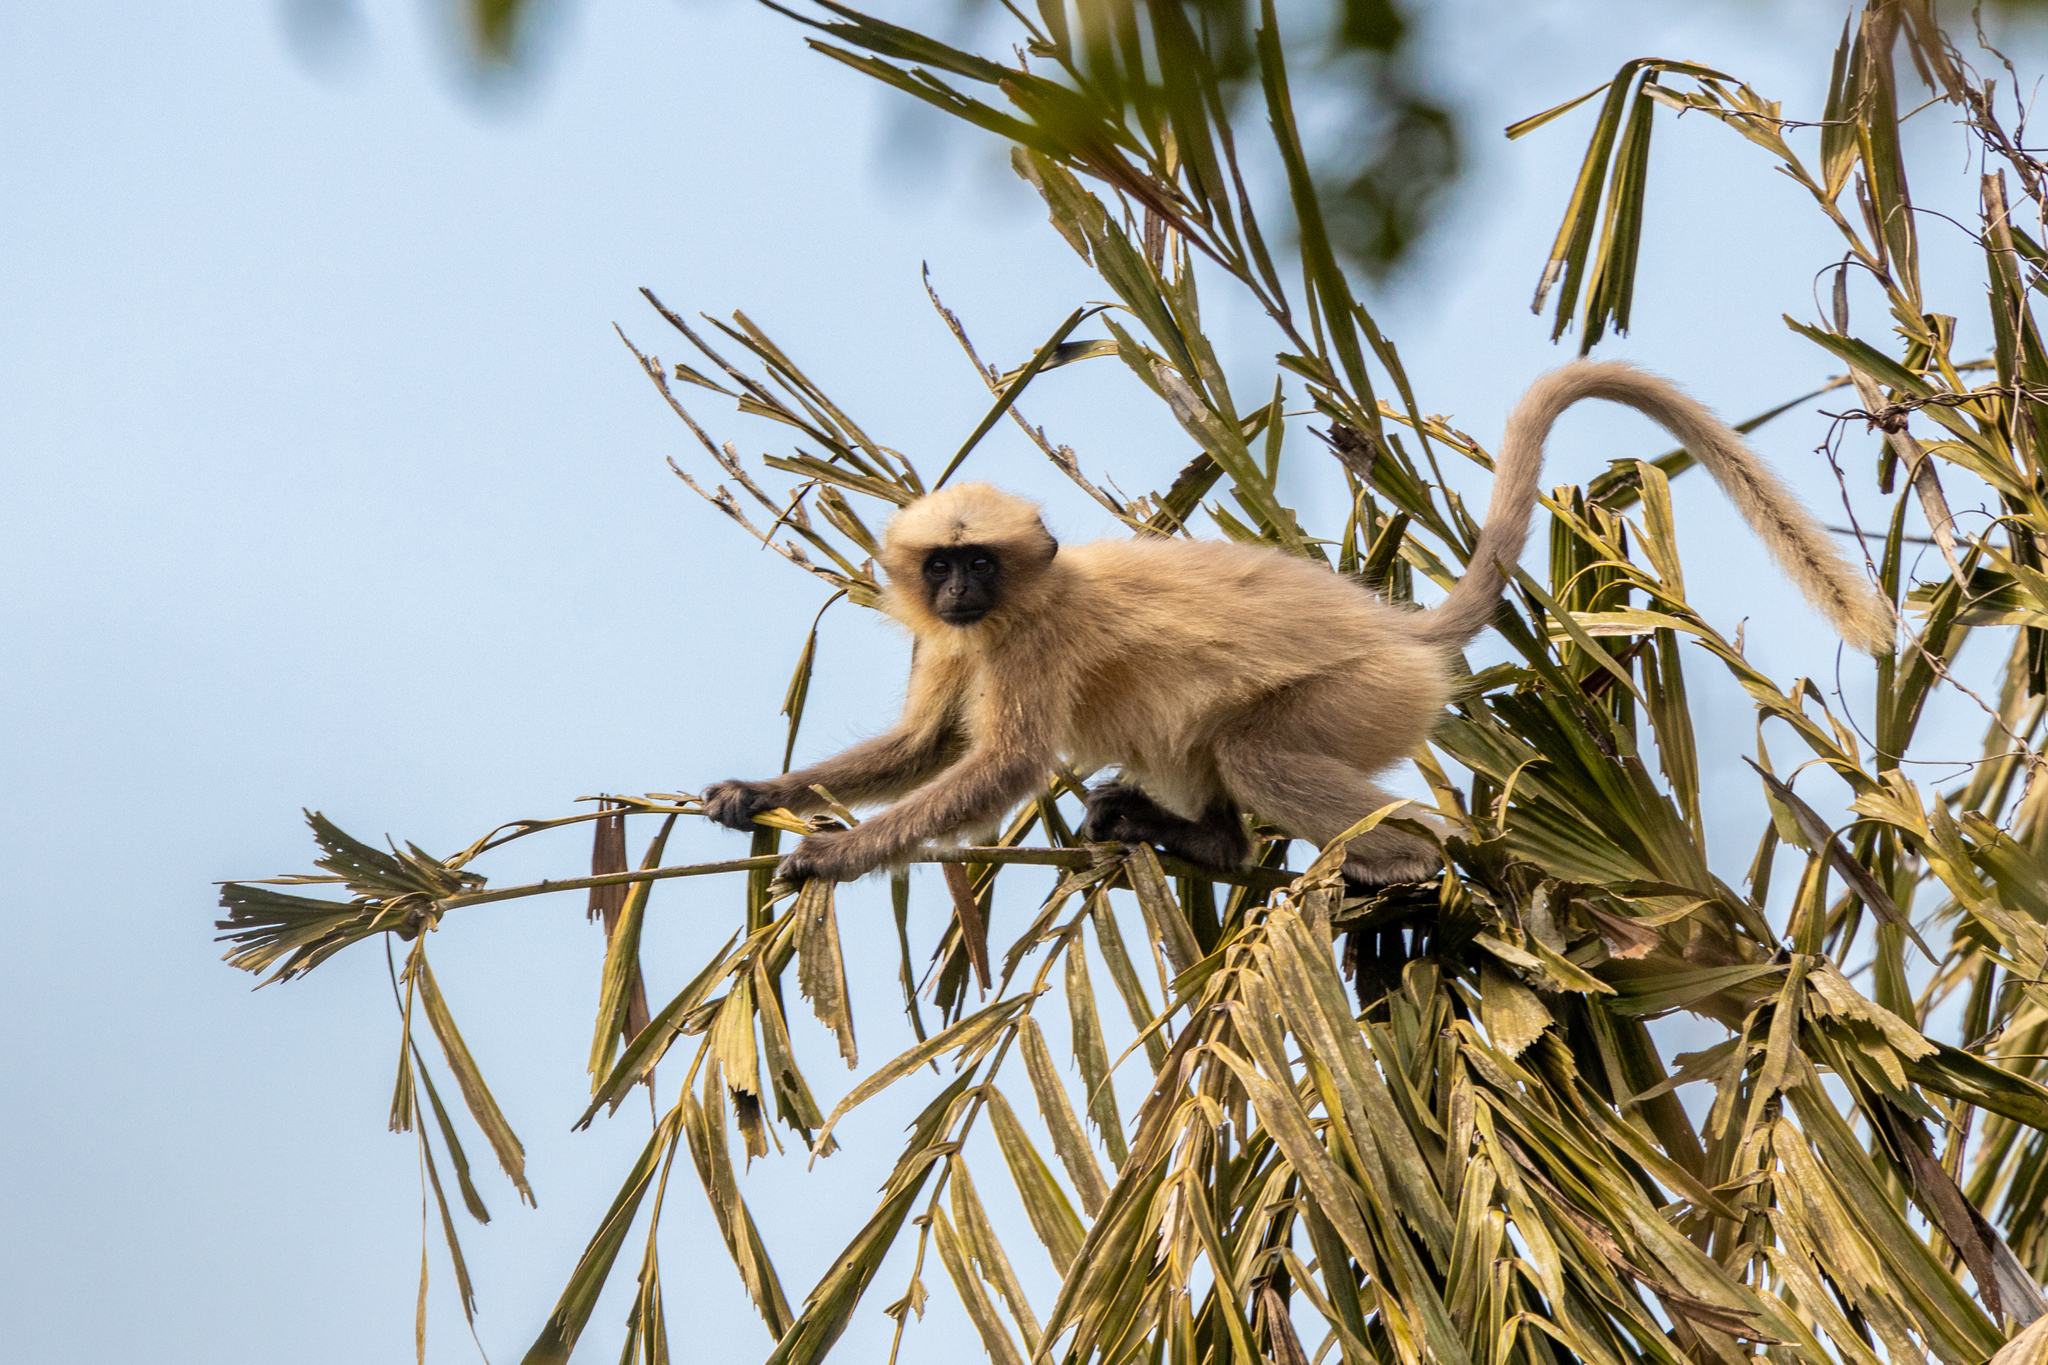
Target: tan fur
x=1216 y=675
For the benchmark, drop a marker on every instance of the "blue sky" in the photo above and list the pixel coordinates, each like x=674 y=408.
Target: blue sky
x=328 y=484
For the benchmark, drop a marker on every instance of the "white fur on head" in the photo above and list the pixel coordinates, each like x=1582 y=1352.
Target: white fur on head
x=965 y=514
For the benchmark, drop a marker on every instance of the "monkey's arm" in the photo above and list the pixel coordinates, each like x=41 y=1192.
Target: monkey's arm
x=922 y=743
x=989 y=779
x=874 y=770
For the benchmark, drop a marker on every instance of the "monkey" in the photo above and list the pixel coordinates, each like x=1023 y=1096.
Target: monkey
x=1222 y=678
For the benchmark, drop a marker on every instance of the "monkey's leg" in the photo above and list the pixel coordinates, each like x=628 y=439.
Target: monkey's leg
x=1315 y=797
x=1122 y=813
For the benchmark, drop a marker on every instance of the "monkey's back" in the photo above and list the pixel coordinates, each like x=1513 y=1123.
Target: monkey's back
x=1164 y=645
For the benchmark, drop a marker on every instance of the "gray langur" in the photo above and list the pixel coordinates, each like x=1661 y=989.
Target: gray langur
x=1221 y=678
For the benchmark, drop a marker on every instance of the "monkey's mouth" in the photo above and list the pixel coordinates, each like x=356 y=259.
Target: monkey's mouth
x=962 y=616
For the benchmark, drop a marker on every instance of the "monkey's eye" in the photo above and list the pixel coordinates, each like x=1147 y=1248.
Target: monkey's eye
x=937 y=568
x=982 y=567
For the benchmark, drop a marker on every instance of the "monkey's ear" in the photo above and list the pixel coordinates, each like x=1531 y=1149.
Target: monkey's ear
x=1054 y=543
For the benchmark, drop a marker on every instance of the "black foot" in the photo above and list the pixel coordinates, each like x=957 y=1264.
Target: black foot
x=1120 y=812
x=1369 y=876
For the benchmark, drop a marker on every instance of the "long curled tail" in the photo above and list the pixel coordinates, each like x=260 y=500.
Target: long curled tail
x=1862 y=616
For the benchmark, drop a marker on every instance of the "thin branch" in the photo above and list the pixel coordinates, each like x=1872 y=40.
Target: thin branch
x=1258 y=878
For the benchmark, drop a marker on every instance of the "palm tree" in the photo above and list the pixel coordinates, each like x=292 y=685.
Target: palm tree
x=1474 y=1150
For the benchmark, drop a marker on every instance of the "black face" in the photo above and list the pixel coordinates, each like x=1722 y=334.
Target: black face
x=961 y=582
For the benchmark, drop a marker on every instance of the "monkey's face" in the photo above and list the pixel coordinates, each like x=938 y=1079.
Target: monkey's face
x=962 y=583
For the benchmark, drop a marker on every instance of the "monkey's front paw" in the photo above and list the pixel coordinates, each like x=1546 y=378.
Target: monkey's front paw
x=735 y=804
x=830 y=855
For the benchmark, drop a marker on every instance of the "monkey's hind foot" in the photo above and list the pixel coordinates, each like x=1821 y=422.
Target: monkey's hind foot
x=1120 y=812
x=1364 y=876
x=1388 y=856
